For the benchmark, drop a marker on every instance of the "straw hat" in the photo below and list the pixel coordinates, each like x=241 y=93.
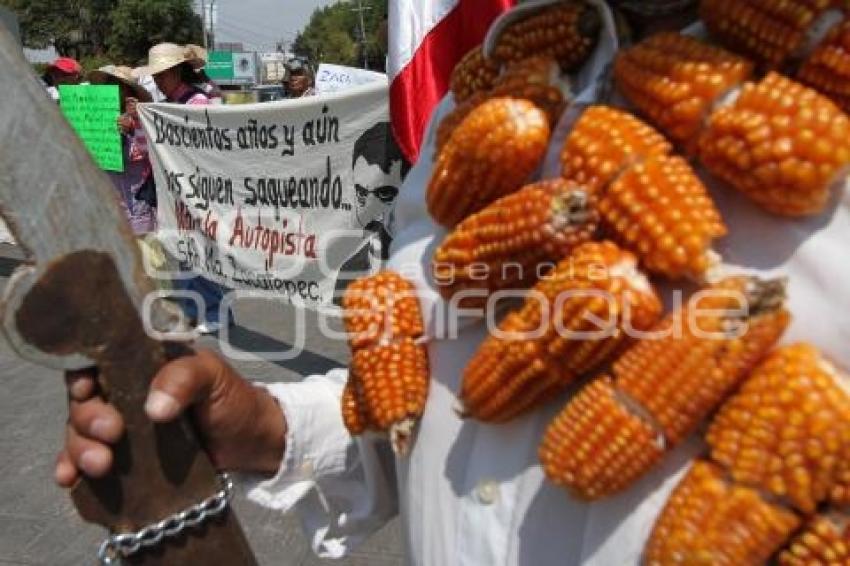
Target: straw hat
x=164 y=56
x=124 y=75
x=198 y=53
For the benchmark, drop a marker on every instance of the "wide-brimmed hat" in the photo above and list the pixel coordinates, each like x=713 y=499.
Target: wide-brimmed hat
x=164 y=56
x=66 y=65
x=199 y=54
x=124 y=75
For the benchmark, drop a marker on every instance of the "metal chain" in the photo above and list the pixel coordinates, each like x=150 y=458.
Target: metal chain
x=125 y=544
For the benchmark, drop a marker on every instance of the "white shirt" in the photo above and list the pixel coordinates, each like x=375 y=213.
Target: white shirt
x=473 y=494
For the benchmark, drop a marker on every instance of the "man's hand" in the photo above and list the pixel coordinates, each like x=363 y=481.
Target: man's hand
x=131 y=106
x=125 y=124
x=240 y=425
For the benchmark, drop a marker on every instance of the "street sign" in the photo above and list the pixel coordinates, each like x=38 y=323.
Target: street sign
x=220 y=65
x=232 y=67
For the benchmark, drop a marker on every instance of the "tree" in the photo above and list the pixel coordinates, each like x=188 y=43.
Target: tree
x=72 y=27
x=139 y=24
x=333 y=35
x=94 y=29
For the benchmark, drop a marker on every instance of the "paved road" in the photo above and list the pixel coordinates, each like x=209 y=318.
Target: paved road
x=38 y=525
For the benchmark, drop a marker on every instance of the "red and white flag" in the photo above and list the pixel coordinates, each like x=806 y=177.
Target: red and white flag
x=427 y=38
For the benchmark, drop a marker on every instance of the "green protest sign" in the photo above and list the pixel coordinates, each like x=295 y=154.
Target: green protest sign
x=92 y=110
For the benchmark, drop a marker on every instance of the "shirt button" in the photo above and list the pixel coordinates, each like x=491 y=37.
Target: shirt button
x=307 y=468
x=487 y=492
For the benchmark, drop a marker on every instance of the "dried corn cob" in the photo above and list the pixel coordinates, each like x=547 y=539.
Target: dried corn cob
x=455 y=118
x=390 y=389
x=596 y=446
x=781 y=144
x=827 y=69
x=388 y=378
x=788 y=430
x=473 y=73
x=566 y=31
x=380 y=309
x=536 y=80
x=685 y=375
x=675 y=80
x=506 y=245
x=603 y=143
x=676 y=379
x=824 y=542
x=540 y=354
x=770 y=31
x=491 y=154
x=661 y=210
x=356 y=421
x=708 y=522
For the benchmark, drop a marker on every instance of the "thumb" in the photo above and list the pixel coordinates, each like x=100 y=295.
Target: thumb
x=180 y=384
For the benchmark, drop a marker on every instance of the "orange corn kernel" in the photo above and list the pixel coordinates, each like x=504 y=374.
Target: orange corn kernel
x=508 y=244
x=823 y=542
x=380 y=309
x=595 y=447
x=536 y=80
x=566 y=31
x=769 y=31
x=781 y=144
x=706 y=351
x=572 y=322
x=661 y=210
x=707 y=521
x=491 y=154
x=675 y=80
x=474 y=73
x=787 y=431
x=827 y=69
x=603 y=143
x=387 y=390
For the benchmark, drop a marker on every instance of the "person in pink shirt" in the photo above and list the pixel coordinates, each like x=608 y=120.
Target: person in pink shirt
x=134 y=184
x=173 y=68
x=201 y=79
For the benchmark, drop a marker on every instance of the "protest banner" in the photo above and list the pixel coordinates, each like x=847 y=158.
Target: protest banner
x=92 y=111
x=336 y=78
x=279 y=196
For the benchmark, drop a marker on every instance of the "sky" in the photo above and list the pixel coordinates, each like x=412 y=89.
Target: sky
x=259 y=24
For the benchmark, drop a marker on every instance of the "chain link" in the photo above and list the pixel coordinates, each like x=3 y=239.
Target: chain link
x=121 y=545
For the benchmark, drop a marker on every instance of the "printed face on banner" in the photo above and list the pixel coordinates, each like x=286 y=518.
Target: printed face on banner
x=289 y=198
x=375 y=191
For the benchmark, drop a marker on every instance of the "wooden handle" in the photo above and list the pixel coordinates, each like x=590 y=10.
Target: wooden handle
x=79 y=305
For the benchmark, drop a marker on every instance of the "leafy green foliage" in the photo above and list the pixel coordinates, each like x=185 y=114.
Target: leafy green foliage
x=333 y=35
x=46 y=23
x=139 y=24
x=95 y=29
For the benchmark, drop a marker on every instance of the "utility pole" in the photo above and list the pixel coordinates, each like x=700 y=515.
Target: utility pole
x=212 y=25
x=204 y=22
x=360 y=9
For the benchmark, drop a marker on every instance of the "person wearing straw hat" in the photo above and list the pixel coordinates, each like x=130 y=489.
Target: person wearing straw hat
x=173 y=69
x=135 y=186
x=202 y=80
